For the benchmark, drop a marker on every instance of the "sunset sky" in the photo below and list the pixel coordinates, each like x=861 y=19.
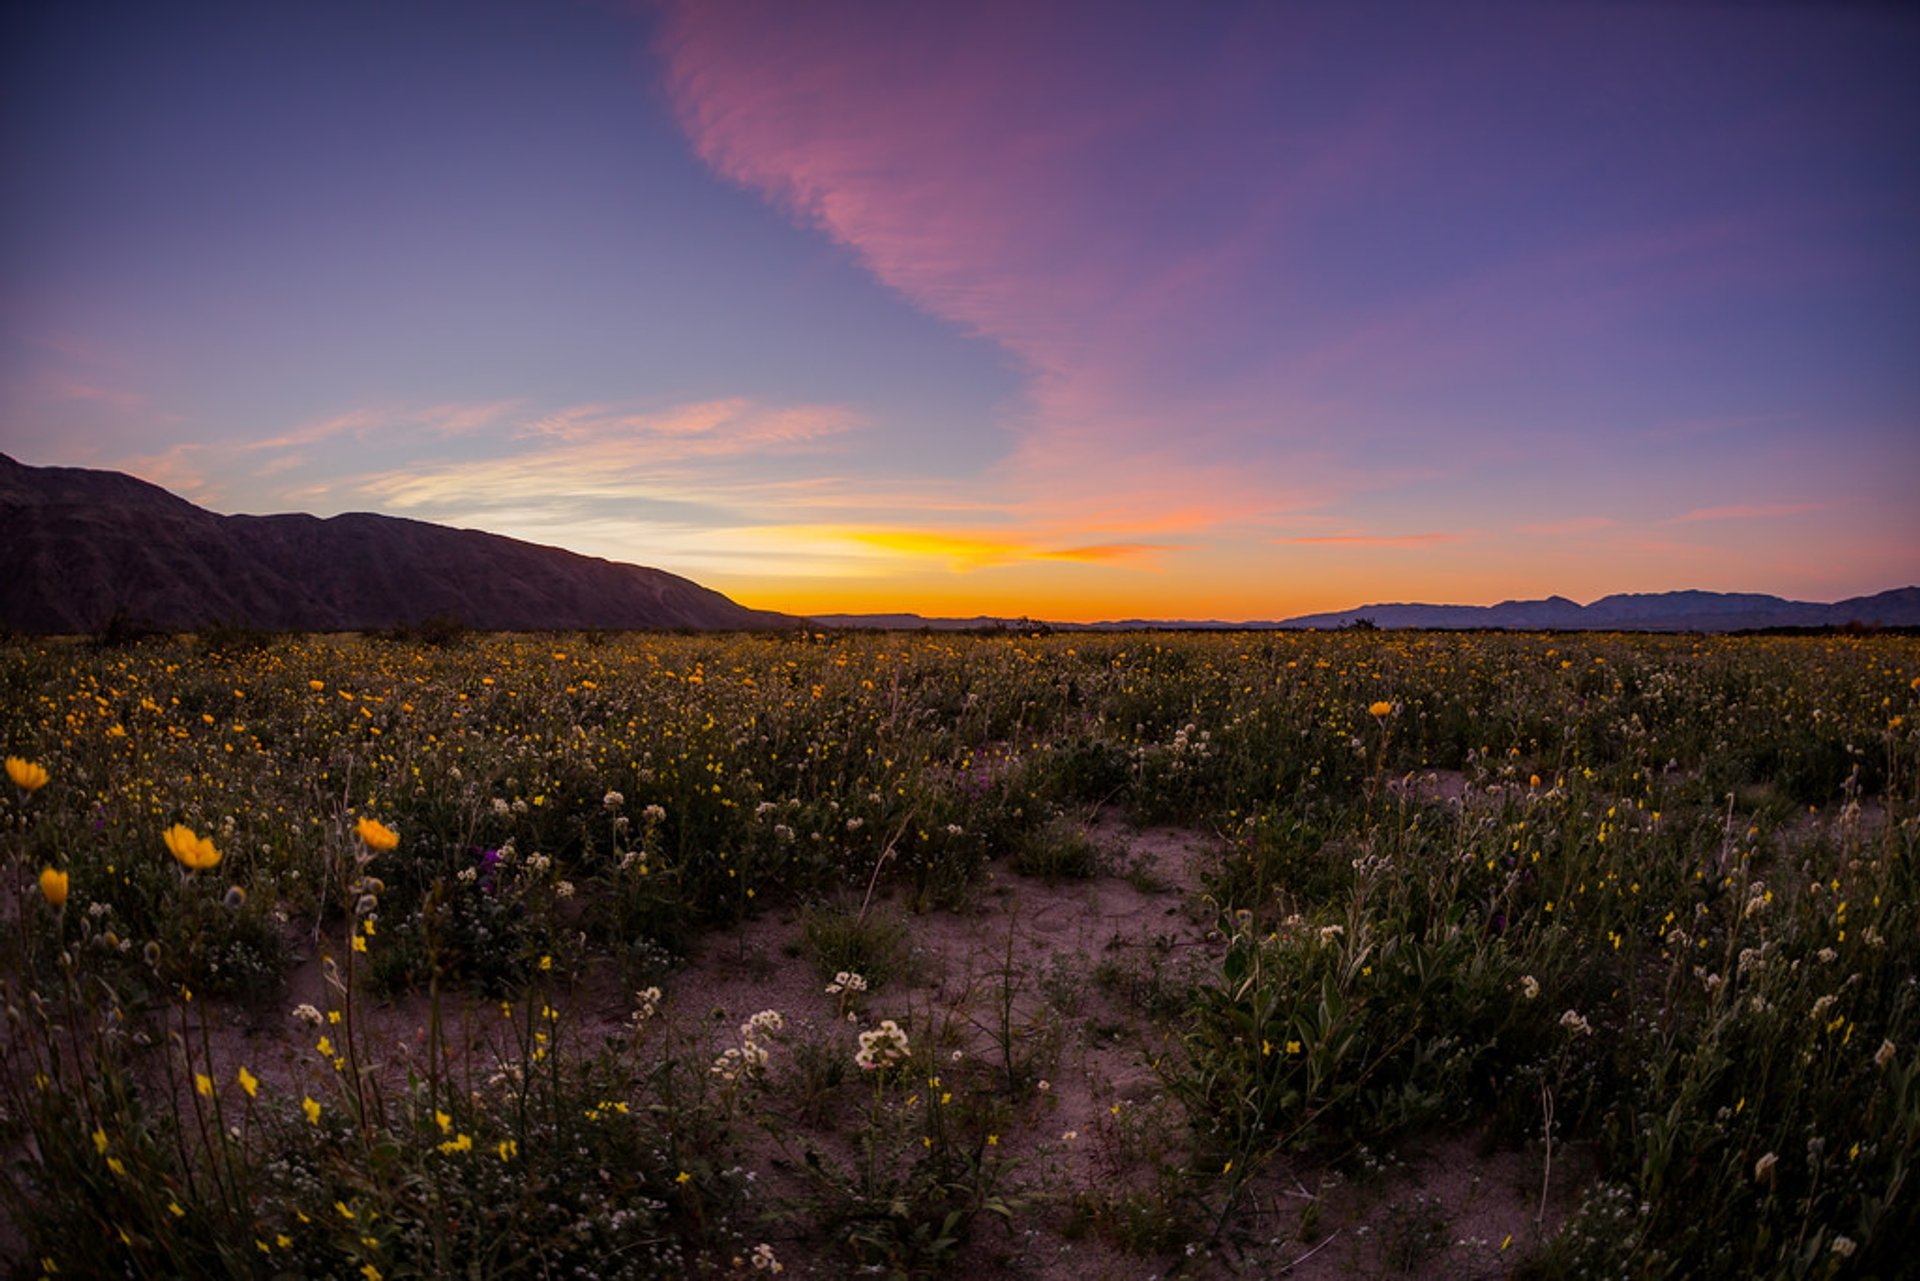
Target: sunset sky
x=1071 y=310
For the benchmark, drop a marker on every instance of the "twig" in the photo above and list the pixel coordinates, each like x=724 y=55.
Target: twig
x=881 y=862
x=1288 y=1267
x=1546 y=1171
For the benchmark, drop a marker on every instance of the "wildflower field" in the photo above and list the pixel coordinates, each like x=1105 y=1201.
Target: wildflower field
x=665 y=956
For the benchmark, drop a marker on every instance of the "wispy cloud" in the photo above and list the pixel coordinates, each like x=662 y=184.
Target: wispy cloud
x=976 y=206
x=1747 y=511
x=967 y=552
x=1572 y=525
x=1376 y=540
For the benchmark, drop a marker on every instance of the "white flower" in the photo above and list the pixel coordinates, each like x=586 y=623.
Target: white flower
x=763 y=1260
x=1529 y=986
x=765 y=1023
x=311 y=1017
x=654 y=814
x=1842 y=1246
x=883 y=1047
x=1574 y=1023
x=613 y=801
x=647 y=1004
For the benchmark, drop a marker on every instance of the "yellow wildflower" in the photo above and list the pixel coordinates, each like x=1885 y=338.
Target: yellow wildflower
x=195 y=853
x=312 y=1109
x=203 y=1083
x=1382 y=710
x=53 y=884
x=377 y=835
x=26 y=776
x=249 y=1082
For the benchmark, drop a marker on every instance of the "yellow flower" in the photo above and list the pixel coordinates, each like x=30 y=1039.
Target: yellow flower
x=312 y=1109
x=195 y=853
x=26 y=776
x=249 y=1082
x=1381 y=709
x=203 y=1083
x=54 y=885
x=378 y=836
x=316 y=686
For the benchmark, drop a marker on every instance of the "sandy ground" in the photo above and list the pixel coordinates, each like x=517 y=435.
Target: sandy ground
x=1070 y=969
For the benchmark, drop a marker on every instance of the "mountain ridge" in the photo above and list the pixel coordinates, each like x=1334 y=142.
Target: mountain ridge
x=1688 y=610
x=85 y=546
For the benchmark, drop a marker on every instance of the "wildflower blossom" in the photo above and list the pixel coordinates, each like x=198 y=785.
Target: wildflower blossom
x=1883 y=1055
x=248 y=1082
x=764 y=1261
x=883 y=1047
x=53 y=884
x=195 y=853
x=1380 y=710
x=26 y=775
x=307 y=1014
x=1576 y=1024
x=376 y=836
x=1763 y=1168
x=1529 y=987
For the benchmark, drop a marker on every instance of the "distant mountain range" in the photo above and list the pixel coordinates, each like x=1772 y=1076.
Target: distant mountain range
x=78 y=547
x=1689 y=611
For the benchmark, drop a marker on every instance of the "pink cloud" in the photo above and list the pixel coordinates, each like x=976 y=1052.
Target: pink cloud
x=1747 y=511
x=1573 y=525
x=1005 y=173
x=1374 y=540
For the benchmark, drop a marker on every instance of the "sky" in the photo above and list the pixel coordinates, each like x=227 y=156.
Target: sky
x=1074 y=311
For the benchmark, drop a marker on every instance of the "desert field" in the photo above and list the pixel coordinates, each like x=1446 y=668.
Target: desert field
x=1342 y=954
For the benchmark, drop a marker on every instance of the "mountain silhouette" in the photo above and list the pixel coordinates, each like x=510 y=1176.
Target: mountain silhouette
x=83 y=547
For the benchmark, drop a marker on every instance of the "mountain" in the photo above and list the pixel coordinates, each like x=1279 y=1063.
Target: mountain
x=82 y=546
x=1689 y=611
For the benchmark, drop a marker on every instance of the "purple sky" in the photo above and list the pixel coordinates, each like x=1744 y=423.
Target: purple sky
x=1074 y=310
